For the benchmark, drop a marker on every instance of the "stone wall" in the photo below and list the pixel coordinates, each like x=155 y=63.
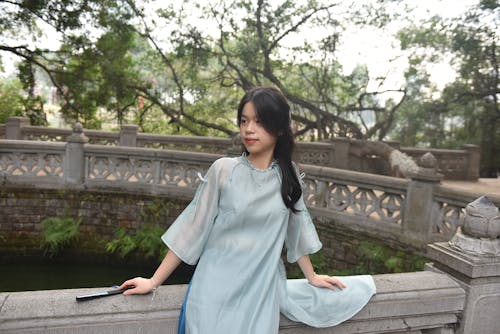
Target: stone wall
x=22 y=210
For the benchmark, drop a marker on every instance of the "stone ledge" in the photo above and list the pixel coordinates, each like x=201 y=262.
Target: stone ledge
x=408 y=302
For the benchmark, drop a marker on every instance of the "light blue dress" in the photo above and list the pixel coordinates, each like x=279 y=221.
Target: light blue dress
x=234 y=229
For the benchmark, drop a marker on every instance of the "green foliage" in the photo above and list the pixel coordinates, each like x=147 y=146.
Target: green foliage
x=122 y=244
x=147 y=238
x=116 y=58
x=376 y=258
x=33 y=103
x=154 y=212
x=173 y=75
x=373 y=258
x=466 y=111
x=11 y=99
x=59 y=232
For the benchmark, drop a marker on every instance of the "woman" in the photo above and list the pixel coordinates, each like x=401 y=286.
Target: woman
x=242 y=214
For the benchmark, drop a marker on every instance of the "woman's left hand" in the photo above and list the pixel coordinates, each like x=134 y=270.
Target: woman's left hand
x=325 y=281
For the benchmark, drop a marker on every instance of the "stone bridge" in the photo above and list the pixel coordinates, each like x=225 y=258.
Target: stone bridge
x=457 y=293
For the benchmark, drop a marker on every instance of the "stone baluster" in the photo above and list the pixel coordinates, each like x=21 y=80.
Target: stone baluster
x=473 y=160
x=472 y=257
x=421 y=211
x=74 y=166
x=341 y=149
x=236 y=146
x=14 y=127
x=128 y=135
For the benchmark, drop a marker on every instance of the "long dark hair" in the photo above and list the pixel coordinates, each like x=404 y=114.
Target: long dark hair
x=273 y=111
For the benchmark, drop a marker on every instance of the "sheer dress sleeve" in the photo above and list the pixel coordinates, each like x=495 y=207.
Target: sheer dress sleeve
x=301 y=237
x=188 y=234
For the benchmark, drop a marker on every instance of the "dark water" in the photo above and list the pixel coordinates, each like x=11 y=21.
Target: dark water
x=47 y=275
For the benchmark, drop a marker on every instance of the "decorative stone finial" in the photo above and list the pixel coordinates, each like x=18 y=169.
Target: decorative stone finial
x=427 y=164
x=480 y=233
x=77 y=136
x=427 y=161
x=78 y=128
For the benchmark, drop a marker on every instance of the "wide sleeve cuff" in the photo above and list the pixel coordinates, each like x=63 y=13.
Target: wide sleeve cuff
x=302 y=238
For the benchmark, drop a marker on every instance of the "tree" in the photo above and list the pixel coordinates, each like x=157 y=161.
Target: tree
x=250 y=49
x=195 y=75
x=467 y=110
x=11 y=101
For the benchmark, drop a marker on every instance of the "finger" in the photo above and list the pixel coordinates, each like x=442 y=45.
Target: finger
x=130 y=292
x=338 y=283
x=127 y=283
x=330 y=286
x=327 y=283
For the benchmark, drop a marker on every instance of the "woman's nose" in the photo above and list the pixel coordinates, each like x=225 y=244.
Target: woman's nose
x=250 y=127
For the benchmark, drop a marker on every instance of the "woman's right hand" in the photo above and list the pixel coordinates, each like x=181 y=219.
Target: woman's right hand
x=138 y=285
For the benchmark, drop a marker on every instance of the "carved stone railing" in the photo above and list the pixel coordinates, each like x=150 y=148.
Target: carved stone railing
x=412 y=211
x=453 y=164
x=422 y=302
x=457 y=294
x=339 y=153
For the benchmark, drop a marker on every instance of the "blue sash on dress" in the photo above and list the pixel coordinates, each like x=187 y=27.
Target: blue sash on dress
x=181 y=327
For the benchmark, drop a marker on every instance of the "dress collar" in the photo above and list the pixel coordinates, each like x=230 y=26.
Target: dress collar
x=244 y=158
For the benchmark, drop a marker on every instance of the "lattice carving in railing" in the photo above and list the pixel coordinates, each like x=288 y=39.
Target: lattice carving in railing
x=449 y=217
x=454 y=164
x=32 y=164
x=103 y=141
x=374 y=204
x=181 y=147
x=314 y=157
x=147 y=171
x=51 y=137
x=180 y=175
x=121 y=169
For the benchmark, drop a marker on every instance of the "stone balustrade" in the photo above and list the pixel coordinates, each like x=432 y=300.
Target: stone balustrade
x=411 y=212
x=340 y=153
x=422 y=302
x=458 y=293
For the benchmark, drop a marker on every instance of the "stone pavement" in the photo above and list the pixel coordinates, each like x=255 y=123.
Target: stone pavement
x=484 y=186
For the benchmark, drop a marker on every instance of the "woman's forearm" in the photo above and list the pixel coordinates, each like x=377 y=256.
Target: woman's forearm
x=165 y=269
x=306 y=266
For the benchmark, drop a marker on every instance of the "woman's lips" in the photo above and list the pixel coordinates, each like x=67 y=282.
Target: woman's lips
x=250 y=140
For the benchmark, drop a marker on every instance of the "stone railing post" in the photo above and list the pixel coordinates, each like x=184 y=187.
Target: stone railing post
x=13 y=127
x=420 y=211
x=472 y=257
x=74 y=170
x=341 y=148
x=235 y=149
x=128 y=135
x=473 y=161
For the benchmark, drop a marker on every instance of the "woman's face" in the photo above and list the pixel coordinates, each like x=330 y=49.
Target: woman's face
x=254 y=136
